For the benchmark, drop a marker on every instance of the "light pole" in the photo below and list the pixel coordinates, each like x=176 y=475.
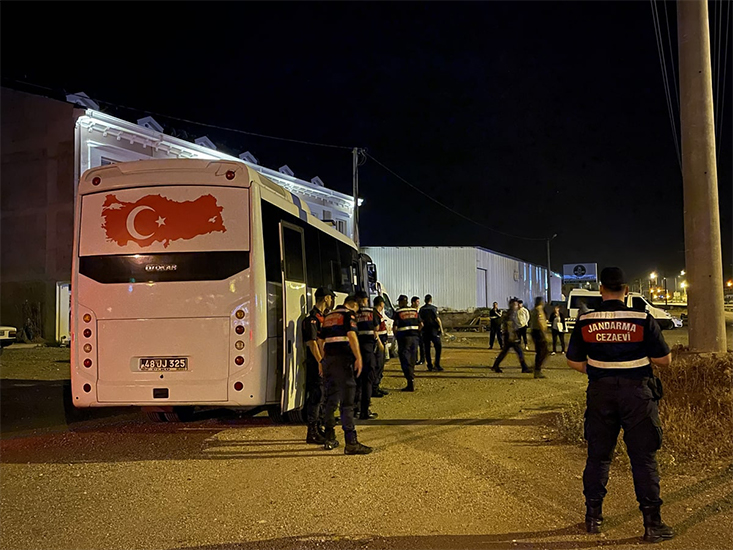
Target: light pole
x=652 y=277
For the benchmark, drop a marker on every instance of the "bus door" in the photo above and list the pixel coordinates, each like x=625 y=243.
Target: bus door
x=292 y=255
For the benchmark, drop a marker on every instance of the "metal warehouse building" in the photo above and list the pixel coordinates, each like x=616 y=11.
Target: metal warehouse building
x=460 y=278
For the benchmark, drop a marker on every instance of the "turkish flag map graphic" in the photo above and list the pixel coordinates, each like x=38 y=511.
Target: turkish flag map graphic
x=153 y=218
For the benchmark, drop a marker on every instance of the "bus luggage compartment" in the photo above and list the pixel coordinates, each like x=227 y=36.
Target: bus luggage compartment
x=175 y=361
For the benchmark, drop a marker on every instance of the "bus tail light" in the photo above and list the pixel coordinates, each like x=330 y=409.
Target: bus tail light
x=87 y=348
x=239 y=329
x=87 y=332
x=87 y=318
x=87 y=363
x=239 y=360
x=87 y=388
x=238 y=386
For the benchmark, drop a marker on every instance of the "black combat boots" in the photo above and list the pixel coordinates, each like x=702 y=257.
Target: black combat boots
x=593 y=516
x=353 y=447
x=331 y=441
x=410 y=386
x=313 y=435
x=655 y=530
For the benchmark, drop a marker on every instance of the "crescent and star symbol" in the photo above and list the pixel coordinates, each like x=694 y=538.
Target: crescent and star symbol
x=131 y=223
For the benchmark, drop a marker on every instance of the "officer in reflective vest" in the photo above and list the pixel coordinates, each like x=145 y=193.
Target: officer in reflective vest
x=616 y=347
x=407 y=331
x=310 y=328
x=366 y=328
x=381 y=347
x=341 y=365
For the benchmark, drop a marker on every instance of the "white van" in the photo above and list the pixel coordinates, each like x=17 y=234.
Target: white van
x=634 y=300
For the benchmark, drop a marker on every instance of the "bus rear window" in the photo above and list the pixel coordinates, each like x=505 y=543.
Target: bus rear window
x=150 y=268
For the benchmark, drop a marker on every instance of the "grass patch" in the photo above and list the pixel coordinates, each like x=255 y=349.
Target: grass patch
x=696 y=412
x=42 y=363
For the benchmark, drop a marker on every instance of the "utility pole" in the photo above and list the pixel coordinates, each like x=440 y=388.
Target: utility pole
x=355 y=175
x=703 y=258
x=549 y=270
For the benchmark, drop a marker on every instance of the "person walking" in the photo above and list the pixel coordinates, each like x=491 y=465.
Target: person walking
x=341 y=366
x=510 y=327
x=407 y=331
x=559 y=328
x=495 y=316
x=616 y=347
x=523 y=316
x=430 y=332
x=310 y=328
x=381 y=351
x=366 y=327
x=538 y=326
x=415 y=304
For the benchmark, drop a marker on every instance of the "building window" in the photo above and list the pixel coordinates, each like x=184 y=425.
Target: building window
x=341 y=226
x=105 y=161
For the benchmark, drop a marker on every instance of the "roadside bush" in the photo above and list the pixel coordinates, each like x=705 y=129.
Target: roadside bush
x=697 y=408
x=696 y=411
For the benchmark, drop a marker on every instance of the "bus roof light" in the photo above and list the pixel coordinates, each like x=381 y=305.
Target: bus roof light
x=96 y=180
x=230 y=174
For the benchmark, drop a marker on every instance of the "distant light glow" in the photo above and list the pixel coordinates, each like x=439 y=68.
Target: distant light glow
x=653 y=275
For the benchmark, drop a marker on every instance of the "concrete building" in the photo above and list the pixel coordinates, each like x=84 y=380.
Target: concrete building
x=46 y=145
x=460 y=278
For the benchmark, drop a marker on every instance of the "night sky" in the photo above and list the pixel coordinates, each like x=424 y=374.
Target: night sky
x=531 y=118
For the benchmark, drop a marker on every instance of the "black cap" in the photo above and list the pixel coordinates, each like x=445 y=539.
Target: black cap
x=613 y=278
x=323 y=292
x=402 y=297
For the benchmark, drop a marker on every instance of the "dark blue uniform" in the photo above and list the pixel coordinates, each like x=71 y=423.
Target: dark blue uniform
x=366 y=325
x=338 y=370
x=431 y=334
x=406 y=330
x=313 y=382
x=617 y=343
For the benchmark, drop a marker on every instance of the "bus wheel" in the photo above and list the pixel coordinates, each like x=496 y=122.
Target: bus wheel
x=179 y=414
x=155 y=416
x=296 y=416
x=276 y=415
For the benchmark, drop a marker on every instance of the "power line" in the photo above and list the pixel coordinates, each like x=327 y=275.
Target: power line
x=197 y=123
x=665 y=78
x=436 y=201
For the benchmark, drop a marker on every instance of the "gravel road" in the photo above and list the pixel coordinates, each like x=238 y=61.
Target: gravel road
x=470 y=460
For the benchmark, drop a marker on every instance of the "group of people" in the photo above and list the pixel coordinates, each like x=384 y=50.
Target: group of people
x=510 y=329
x=346 y=349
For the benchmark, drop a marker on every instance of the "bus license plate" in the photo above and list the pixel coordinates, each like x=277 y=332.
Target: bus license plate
x=163 y=363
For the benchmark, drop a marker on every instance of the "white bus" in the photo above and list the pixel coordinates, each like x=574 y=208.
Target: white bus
x=190 y=280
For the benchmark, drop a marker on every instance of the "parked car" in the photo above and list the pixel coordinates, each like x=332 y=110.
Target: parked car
x=8 y=335
x=634 y=300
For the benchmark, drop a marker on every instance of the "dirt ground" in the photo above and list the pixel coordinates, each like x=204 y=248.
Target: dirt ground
x=470 y=460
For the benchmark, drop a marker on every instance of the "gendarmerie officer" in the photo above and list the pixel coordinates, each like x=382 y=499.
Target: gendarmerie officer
x=341 y=364
x=406 y=328
x=616 y=347
x=313 y=377
x=382 y=352
x=366 y=327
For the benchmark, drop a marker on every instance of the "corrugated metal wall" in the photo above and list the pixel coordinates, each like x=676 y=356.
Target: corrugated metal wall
x=507 y=278
x=448 y=273
x=460 y=278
